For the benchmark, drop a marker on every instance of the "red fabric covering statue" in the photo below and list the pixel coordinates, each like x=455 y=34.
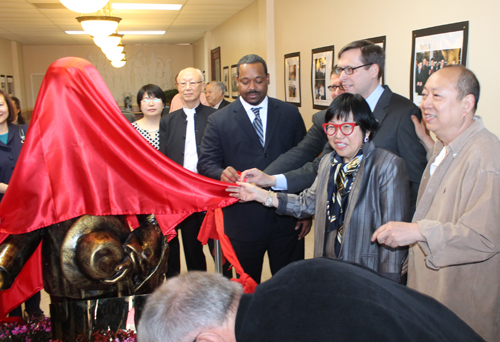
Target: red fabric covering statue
x=82 y=156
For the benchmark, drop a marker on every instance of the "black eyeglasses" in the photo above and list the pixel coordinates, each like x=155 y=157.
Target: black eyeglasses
x=332 y=87
x=349 y=70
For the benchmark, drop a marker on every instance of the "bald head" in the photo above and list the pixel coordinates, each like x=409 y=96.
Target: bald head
x=449 y=101
x=190 y=84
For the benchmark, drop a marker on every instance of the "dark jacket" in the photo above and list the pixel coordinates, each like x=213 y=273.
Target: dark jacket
x=10 y=152
x=173 y=132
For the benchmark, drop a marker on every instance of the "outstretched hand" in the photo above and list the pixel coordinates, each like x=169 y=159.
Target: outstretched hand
x=246 y=192
x=258 y=177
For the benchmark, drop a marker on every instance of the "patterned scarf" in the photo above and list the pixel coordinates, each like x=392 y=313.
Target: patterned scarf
x=339 y=186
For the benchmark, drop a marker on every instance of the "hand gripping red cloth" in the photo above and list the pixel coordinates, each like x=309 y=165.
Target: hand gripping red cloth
x=81 y=156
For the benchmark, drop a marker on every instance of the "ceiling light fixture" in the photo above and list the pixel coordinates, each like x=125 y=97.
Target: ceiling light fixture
x=99 y=26
x=109 y=41
x=87 y=6
x=113 y=56
x=141 y=32
x=161 y=7
x=119 y=64
x=113 y=50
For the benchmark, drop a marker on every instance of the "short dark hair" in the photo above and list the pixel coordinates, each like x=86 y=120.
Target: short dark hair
x=10 y=107
x=348 y=103
x=370 y=53
x=467 y=83
x=151 y=90
x=251 y=59
x=20 y=118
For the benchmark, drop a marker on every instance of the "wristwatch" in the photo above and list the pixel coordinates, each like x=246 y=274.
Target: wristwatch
x=269 y=200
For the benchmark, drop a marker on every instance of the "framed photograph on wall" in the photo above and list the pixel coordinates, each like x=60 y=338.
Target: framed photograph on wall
x=380 y=41
x=3 y=83
x=434 y=48
x=234 y=85
x=10 y=85
x=225 y=80
x=322 y=64
x=292 y=78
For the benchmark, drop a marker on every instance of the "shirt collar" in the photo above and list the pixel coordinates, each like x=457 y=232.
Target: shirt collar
x=373 y=98
x=248 y=107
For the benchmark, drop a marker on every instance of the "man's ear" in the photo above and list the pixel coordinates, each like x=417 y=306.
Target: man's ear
x=268 y=80
x=374 y=70
x=468 y=103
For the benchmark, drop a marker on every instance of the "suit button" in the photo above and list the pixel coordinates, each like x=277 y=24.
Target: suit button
x=265 y=155
x=11 y=157
x=183 y=137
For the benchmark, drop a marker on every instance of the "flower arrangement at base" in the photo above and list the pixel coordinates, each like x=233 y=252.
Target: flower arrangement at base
x=35 y=329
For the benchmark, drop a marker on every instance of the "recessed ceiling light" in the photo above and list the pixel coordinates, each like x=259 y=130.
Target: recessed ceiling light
x=164 y=7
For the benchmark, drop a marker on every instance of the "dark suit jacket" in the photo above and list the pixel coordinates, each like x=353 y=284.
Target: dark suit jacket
x=230 y=140
x=302 y=155
x=223 y=104
x=173 y=132
x=396 y=134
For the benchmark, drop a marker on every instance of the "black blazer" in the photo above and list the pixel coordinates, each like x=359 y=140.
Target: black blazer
x=173 y=132
x=230 y=140
x=223 y=104
x=302 y=156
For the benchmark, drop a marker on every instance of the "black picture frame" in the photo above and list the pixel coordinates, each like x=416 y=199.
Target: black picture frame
x=321 y=68
x=225 y=80
x=234 y=86
x=292 y=78
x=439 y=46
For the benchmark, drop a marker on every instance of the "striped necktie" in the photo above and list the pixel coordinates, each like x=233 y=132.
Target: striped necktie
x=257 y=124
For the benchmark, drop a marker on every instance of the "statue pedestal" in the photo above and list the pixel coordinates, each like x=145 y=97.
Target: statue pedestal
x=79 y=320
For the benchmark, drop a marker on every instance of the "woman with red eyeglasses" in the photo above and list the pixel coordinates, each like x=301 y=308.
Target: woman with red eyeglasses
x=359 y=187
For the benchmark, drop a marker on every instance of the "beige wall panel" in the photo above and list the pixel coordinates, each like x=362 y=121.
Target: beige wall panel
x=156 y=64
x=305 y=25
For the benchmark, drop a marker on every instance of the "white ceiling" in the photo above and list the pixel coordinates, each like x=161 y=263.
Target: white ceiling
x=44 y=22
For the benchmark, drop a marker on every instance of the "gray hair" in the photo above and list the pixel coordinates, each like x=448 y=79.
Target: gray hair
x=251 y=59
x=219 y=85
x=188 y=304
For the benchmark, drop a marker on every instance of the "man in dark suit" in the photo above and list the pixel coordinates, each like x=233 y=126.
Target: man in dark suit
x=181 y=133
x=252 y=132
x=360 y=66
x=214 y=92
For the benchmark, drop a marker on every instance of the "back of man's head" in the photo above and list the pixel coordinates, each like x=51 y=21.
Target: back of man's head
x=467 y=83
x=187 y=305
x=370 y=53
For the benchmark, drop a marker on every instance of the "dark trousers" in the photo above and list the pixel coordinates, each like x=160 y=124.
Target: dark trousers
x=281 y=248
x=32 y=306
x=193 y=249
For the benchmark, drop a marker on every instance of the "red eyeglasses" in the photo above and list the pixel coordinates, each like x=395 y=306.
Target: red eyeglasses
x=346 y=128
